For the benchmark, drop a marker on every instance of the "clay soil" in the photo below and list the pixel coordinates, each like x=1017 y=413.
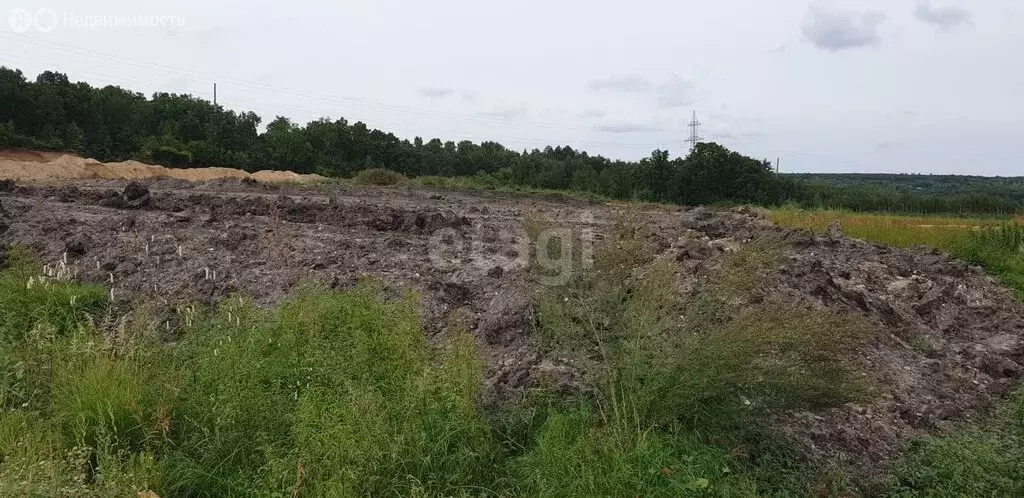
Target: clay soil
x=951 y=346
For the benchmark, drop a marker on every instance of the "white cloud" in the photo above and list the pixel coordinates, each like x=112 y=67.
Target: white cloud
x=674 y=92
x=835 y=29
x=944 y=17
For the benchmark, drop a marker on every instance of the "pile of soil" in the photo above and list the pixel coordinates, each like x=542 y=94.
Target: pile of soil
x=952 y=345
x=951 y=342
x=37 y=166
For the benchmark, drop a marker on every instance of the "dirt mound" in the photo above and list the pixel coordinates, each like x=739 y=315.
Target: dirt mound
x=953 y=342
x=270 y=176
x=27 y=165
x=135 y=196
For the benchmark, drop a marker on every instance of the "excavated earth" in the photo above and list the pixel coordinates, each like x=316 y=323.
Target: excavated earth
x=951 y=347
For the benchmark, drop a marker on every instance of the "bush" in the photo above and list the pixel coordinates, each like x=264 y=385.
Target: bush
x=10 y=138
x=379 y=176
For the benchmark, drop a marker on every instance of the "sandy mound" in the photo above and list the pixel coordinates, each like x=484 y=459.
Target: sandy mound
x=271 y=176
x=38 y=166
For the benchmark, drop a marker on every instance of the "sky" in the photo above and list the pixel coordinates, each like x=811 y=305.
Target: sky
x=901 y=86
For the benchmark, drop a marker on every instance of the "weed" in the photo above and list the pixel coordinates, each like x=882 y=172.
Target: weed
x=575 y=456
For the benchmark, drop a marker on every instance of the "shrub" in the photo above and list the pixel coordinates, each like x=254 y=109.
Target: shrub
x=379 y=176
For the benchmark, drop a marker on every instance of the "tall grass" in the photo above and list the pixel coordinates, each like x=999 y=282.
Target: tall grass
x=675 y=357
x=330 y=394
x=999 y=249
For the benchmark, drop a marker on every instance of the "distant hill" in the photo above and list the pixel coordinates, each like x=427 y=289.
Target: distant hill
x=1011 y=187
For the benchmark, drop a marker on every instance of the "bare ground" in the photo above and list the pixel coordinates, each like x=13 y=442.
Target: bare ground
x=953 y=341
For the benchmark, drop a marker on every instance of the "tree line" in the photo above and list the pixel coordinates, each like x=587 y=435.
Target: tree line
x=112 y=124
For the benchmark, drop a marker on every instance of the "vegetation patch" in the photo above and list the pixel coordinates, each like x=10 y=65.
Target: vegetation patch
x=983 y=460
x=378 y=176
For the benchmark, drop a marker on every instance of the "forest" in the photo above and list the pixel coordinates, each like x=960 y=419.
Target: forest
x=113 y=124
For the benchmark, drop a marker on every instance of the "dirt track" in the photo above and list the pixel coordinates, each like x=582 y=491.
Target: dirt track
x=952 y=343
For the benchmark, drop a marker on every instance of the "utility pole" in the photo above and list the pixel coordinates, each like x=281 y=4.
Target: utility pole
x=776 y=165
x=695 y=137
x=214 y=94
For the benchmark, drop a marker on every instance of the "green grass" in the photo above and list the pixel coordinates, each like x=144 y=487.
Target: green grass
x=984 y=460
x=338 y=388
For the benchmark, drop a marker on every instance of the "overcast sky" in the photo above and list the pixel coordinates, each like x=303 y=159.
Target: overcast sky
x=839 y=86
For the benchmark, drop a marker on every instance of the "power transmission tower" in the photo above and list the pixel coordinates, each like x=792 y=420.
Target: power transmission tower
x=695 y=137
